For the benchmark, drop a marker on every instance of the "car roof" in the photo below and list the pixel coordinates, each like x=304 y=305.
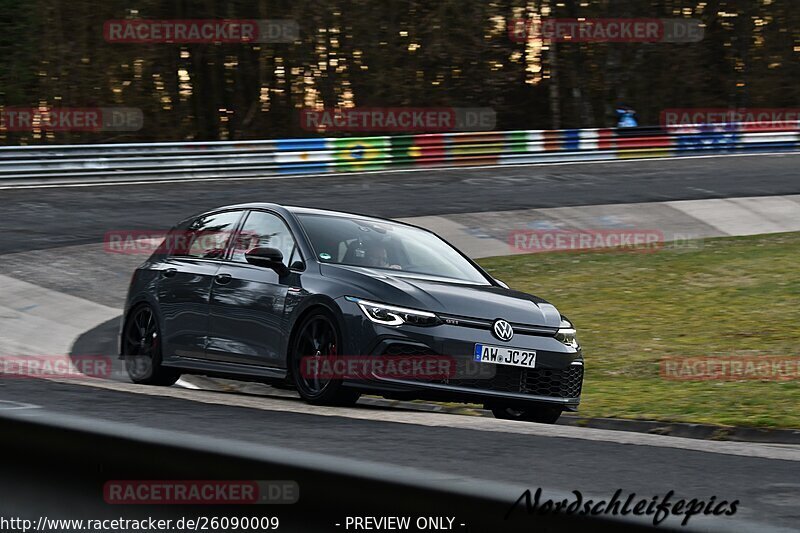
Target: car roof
x=298 y=210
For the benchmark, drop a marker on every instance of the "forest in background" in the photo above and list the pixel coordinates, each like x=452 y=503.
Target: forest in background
x=442 y=53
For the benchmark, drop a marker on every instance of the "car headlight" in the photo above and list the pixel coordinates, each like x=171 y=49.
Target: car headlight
x=566 y=334
x=390 y=315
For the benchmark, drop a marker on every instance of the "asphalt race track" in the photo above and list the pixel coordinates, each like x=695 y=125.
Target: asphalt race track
x=50 y=240
x=765 y=487
x=53 y=217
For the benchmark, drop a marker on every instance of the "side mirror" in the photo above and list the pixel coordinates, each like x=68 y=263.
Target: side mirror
x=269 y=258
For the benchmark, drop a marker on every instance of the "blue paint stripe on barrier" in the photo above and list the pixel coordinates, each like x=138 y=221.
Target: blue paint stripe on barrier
x=299 y=145
x=572 y=139
x=706 y=141
x=304 y=168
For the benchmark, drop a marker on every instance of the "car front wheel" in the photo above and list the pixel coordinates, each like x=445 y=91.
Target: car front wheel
x=318 y=340
x=141 y=349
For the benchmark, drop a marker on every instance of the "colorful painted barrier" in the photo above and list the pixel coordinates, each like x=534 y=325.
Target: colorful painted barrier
x=348 y=154
x=536 y=146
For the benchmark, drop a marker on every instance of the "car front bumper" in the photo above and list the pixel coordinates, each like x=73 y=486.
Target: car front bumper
x=556 y=379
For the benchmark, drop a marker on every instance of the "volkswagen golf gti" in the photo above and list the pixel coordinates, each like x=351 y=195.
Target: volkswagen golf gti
x=336 y=305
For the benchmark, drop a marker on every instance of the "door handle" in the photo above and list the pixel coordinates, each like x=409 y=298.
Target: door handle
x=168 y=273
x=222 y=279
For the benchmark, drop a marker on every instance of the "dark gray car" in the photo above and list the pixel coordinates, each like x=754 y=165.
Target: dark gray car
x=335 y=305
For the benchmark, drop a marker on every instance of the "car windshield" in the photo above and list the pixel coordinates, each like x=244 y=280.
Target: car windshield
x=379 y=244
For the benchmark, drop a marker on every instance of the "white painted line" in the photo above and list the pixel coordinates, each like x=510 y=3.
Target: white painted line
x=186 y=385
x=390 y=171
x=7 y=405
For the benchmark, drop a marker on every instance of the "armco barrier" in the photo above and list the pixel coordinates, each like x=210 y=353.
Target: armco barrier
x=56 y=466
x=322 y=155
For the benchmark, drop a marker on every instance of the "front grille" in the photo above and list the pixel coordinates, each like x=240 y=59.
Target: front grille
x=565 y=383
x=562 y=383
x=537 y=381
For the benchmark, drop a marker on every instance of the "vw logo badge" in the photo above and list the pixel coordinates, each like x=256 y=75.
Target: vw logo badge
x=502 y=330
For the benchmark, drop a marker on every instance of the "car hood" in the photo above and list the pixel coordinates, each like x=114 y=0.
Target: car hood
x=444 y=296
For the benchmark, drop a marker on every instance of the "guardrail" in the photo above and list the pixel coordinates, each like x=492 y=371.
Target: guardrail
x=123 y=162
x=57 y=465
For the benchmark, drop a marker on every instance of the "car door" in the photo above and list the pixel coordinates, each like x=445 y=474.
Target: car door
x=186 y=276
x=247 y=309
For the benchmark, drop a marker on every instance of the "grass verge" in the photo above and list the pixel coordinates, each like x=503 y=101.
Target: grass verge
x=723 y=297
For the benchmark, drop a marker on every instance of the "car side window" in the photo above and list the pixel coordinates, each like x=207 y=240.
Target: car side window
x=207 y=237
x=264 y=230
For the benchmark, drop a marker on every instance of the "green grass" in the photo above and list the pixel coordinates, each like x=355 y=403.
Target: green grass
x=724 y=297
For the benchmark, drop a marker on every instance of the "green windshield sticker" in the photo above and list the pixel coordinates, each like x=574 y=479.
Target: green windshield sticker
x=324 y=256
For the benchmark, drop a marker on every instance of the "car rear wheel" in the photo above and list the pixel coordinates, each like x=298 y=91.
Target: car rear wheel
x=543 y=415
x=141 y=349
x=318 y=340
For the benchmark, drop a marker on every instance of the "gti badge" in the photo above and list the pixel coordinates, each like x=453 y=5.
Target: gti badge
x=502 y=330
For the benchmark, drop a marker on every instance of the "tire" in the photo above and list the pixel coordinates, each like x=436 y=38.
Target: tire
x=318 y=336
x=542 y=415
x=141 y=349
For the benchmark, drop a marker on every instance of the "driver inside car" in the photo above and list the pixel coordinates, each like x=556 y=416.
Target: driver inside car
x=378 y=256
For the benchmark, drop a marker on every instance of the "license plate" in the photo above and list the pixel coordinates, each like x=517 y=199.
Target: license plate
x=503 y=355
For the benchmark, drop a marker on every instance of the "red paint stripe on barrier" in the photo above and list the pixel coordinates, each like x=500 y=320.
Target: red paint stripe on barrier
x=430 y=149
x=552 y=140
x=644 y=142
x=605 y=139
